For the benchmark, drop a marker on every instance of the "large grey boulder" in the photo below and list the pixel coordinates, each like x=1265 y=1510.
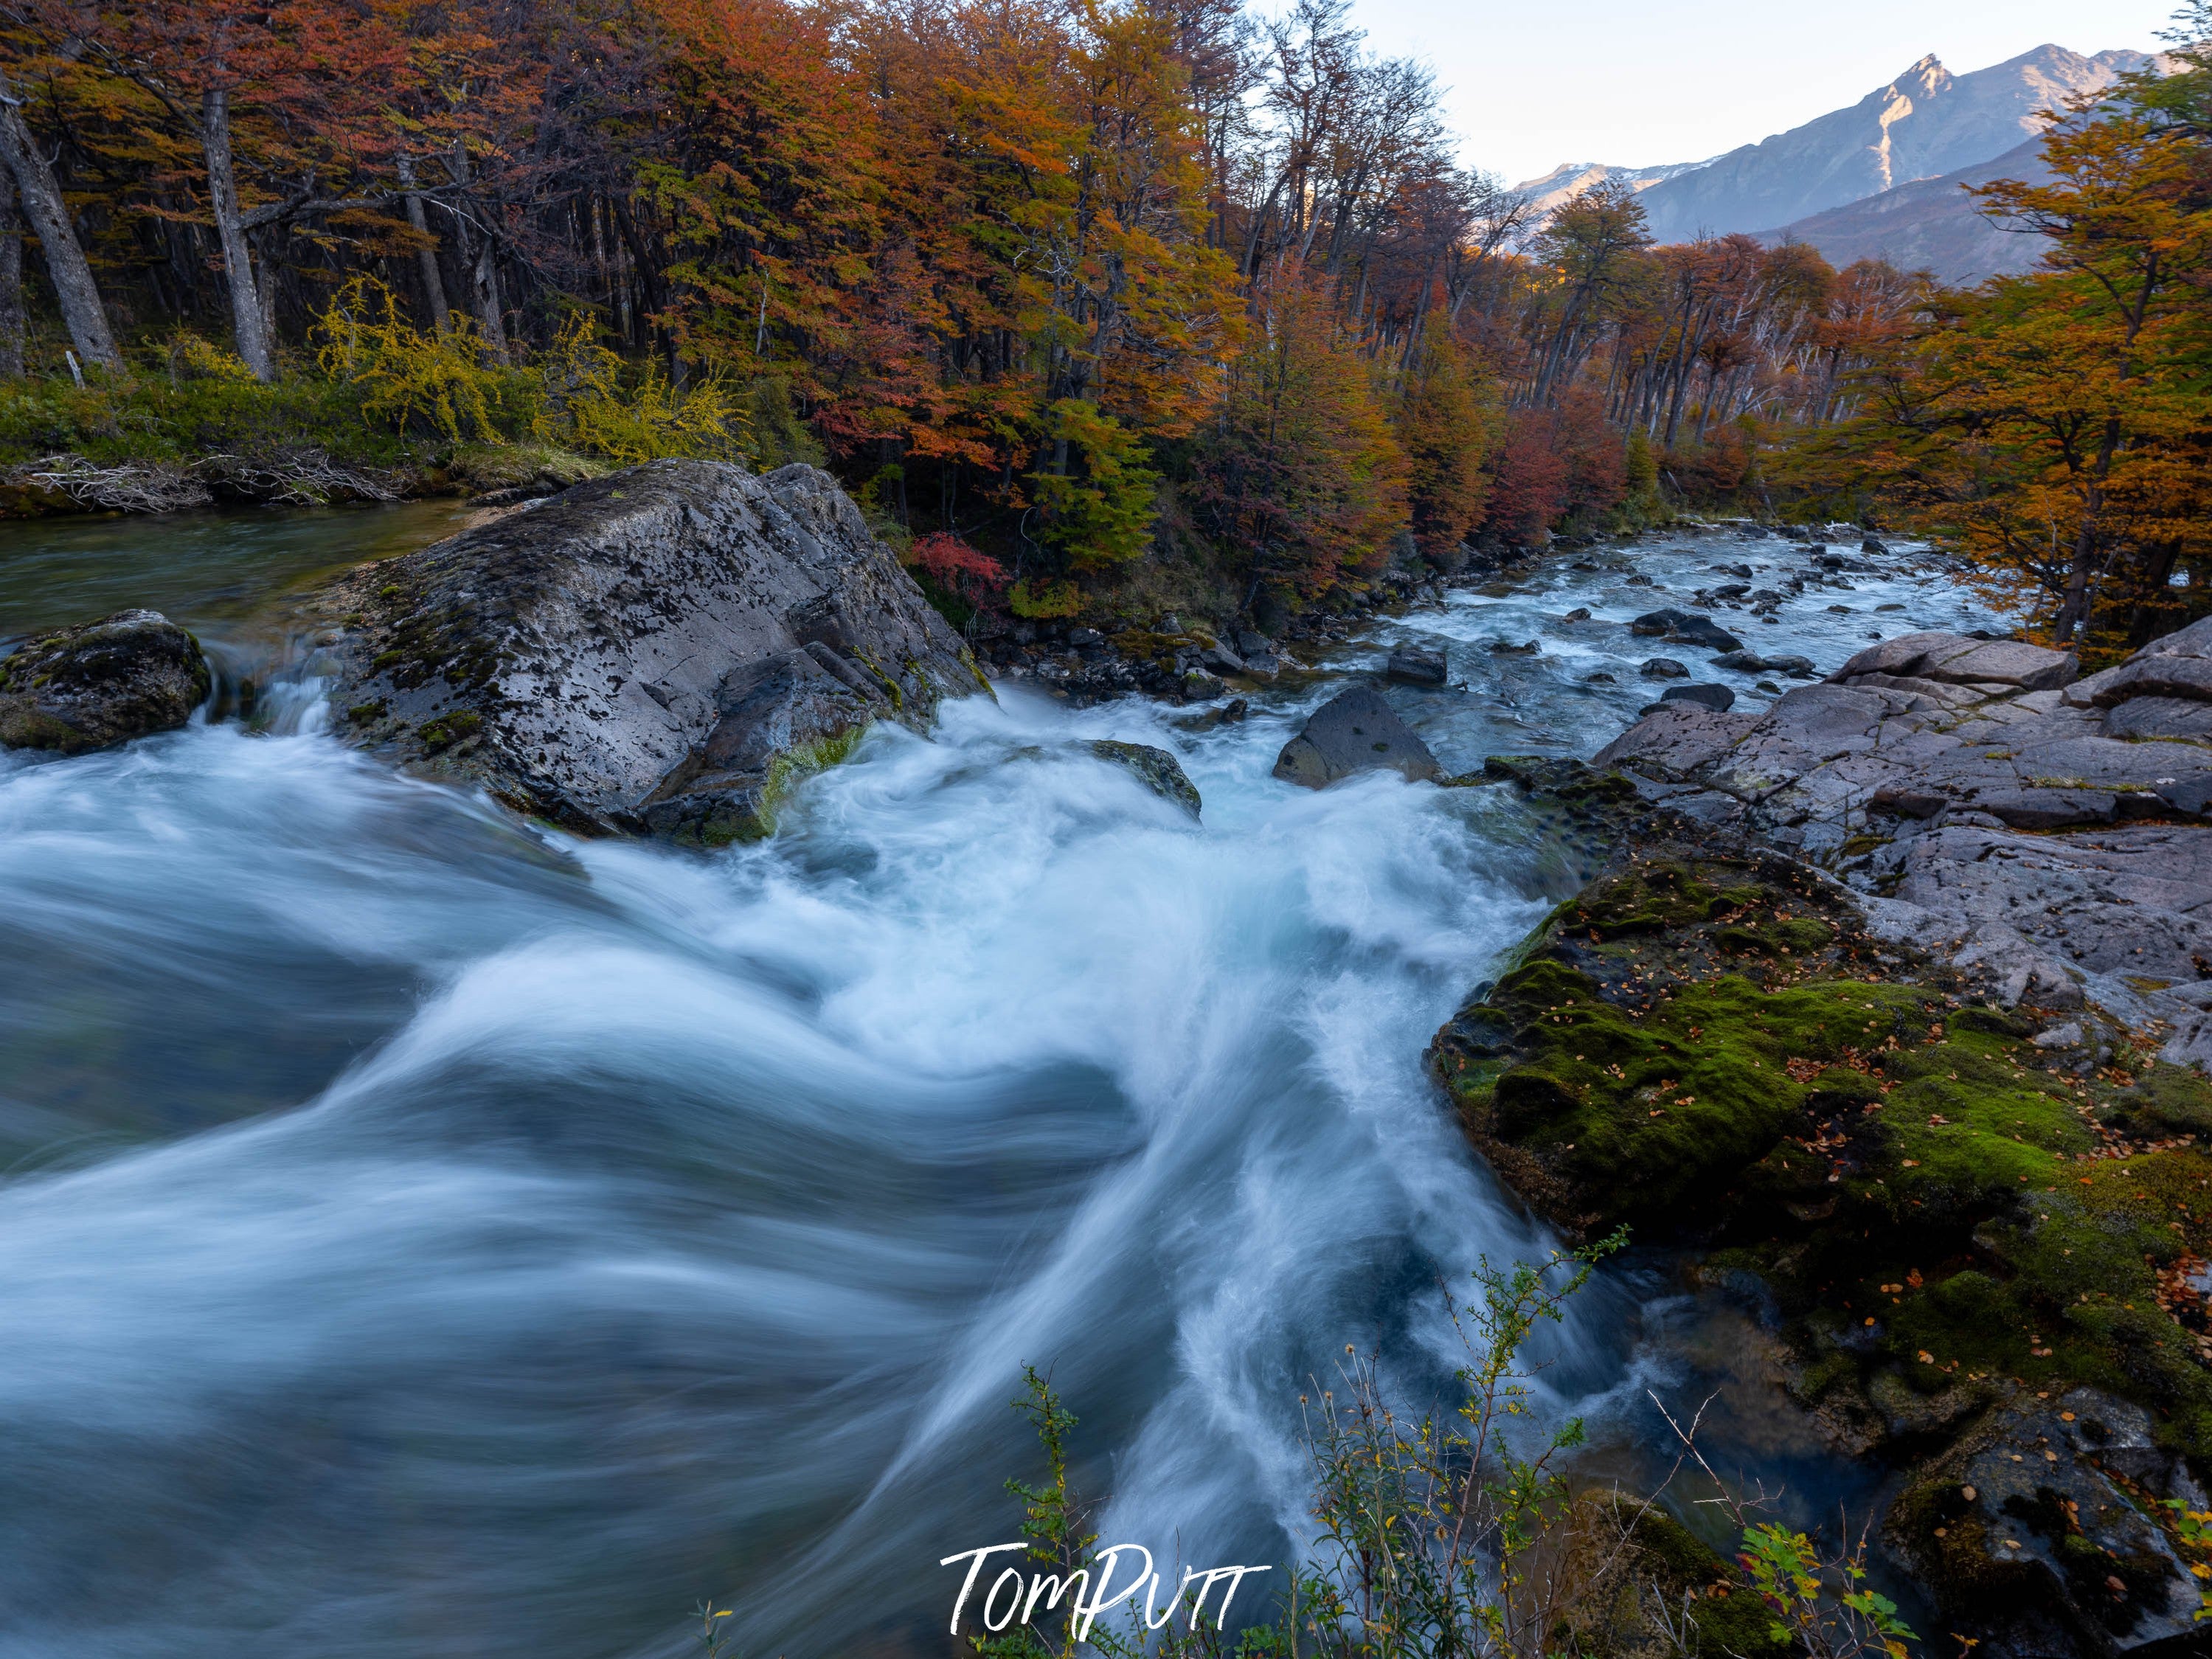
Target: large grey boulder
x=1355 y=731
x=1956 y=659
x=2177 y=666
x=78 y=689
x=661 y=650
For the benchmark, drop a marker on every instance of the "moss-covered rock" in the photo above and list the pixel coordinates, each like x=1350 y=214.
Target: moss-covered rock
x=1707 y=1045
x=1641 y=1585
x=84 y=687
x=1156 y=769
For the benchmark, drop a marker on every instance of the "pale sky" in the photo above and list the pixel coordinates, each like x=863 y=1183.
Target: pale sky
x=1635 y=83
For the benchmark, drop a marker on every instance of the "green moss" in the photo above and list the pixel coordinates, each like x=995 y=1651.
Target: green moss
x=1630 y=1571
x=750 y=815
x=443 y=732
x=1697 y=1047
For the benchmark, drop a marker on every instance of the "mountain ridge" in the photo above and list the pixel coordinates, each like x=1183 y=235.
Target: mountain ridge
x=1925 y=123
x=1930 y=224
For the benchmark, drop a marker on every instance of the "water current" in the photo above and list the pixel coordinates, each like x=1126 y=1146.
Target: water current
x=424 y=1234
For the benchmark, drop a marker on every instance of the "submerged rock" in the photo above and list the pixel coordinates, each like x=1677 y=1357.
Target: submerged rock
x=1156 y=769
x=1355 y=731
x=102 y=683
x=661 y=650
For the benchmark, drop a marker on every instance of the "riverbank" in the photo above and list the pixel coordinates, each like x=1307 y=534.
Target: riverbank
x=1961 y=1181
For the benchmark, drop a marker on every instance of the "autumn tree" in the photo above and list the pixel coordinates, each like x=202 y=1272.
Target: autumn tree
x=1446 y=420
x=1303 y=476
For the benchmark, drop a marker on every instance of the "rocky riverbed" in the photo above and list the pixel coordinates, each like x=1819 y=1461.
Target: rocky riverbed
x=1790 y=1026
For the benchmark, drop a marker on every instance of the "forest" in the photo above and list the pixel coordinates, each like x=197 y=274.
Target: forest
x=1094 y=305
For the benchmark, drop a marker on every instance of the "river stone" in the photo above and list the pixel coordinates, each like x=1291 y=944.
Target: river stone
x=1355 y=731
x=1955 y=659
x=100 y=683
x=1675 y=625
x=2042 y=1507
x=659 y=650
x=1155 y=768
x=1412 y=666
x=1664 y=668
x=1719 y=698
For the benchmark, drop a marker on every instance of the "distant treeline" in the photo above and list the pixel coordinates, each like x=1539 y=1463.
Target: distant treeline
x=1064 y=289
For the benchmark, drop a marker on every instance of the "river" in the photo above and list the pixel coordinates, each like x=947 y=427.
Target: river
x=426 y=1234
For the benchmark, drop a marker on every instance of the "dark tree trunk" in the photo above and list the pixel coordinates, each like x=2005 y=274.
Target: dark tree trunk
x=48 y=213
x=426 y=255
x=11 y=280
x=248 y=320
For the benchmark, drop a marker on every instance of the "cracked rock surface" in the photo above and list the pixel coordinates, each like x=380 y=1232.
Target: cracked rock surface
x=656 y=651
x=2052 y=832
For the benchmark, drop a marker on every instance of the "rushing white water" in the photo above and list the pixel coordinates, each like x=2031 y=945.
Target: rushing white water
x=432 y=1237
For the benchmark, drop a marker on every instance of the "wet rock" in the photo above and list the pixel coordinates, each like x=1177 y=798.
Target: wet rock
x=1411 y=664
x=1155 y=768
x=664 y=650
x=1505 y=648
x=84 y=687
x=1719 y=698
x=1355 y=731
x=1600 y=677
x=1677 y=624
x=1580 y=613
x=1221 y=659
x=1664 y=668
x=1199 y=687
x=2037 y=1525
x=1229 y=713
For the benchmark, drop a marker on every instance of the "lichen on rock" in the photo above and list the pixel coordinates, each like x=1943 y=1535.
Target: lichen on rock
x=73 y=690
x=664 y=650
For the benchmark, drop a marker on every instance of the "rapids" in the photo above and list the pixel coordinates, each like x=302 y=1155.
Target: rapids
x=426 y=1234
